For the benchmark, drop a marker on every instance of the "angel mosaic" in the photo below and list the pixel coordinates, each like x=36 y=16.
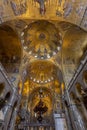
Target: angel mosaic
x=19 y=6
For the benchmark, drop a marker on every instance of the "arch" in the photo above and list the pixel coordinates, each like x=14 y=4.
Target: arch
x=81 y=96
x=7 y=97
x=49 y=71
x=77 y=109
x=5 y=100
x=10 y=49
x=74 y=41
x=47 y=99
x=63 y=15
x=37 y=90
x=66 y=104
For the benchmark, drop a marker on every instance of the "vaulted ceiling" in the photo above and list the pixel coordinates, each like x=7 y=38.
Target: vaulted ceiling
x=46 y=38
x=73 y=11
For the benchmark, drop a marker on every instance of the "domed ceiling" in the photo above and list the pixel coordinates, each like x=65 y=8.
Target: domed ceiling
x=67 y=58
x=41 y=39
x=73 y=11
x=42 y=71
x=10 y=51
x=73 y=49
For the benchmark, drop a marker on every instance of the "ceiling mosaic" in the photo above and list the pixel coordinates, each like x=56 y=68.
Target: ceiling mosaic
x=43 y=94
x=39 y=41
x=74 y=46
x=42 y=72
x=45 y=46
x=73 y=11
x=10 y=52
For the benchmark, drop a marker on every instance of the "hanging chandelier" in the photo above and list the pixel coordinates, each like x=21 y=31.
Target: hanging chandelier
x=40 y=108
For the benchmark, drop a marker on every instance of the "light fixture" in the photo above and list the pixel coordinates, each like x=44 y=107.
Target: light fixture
x=49 y=80
x=60 y=34
x=42 y=57
x=54 y=53
x=48 y=55
x=52 y=78
x=31 y=78
x=25 y=47
x=45 y=81
x=22 y=34
x=60 y=41
x=30 y=52
x=35 y=56
x=26 y=27
x=38 y=81
x=34 y=79
x=22 y=41
x=58 y=48
x=41 y=107
x=40 y=91
x=41 y=81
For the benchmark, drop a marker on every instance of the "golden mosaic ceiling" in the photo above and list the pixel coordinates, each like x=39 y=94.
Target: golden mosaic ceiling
x=46 y=97
x=73 y=49
x=9 y=42
x=41 y=39
x=46 y=39
x=42 y=72
x=73 y=11
x=10 y=49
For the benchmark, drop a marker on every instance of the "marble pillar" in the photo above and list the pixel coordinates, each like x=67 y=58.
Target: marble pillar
x=7 y=115
x=77 y=118
x=60 y=122
x=13 y=120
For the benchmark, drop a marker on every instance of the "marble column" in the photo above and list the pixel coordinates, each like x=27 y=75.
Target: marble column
x=77 y=118
x=32 y=128
x=68 y=118
x=84 y=109
x=60 y=122
x=7 y=115
x=13 y=120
